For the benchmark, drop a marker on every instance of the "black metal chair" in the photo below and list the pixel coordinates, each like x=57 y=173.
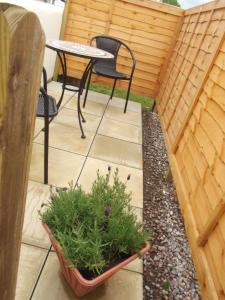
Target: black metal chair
x=46 y=109
x=107 y=68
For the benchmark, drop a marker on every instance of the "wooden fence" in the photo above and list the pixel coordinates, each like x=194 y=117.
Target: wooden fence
x=191 y=104
x=147 y=27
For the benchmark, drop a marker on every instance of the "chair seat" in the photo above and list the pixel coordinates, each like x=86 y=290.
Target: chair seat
x=53 y=110
x=109 y=72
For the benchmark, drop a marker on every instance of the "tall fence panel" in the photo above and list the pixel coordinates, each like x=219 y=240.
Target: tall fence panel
x=191 y=104
x=147 y=27
x=21 y=55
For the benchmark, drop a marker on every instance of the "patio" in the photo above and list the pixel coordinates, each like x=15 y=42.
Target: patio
x=73 y=158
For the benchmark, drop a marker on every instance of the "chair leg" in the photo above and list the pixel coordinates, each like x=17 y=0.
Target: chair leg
x=87 y=88
x=128 y=94
x=46 y=144
x=80 y=116
x=114 y=84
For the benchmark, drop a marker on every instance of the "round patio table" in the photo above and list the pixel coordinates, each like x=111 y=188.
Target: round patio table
x=65 y=47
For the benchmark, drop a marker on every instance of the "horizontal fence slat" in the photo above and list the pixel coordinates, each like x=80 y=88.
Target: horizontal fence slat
x=147 y=28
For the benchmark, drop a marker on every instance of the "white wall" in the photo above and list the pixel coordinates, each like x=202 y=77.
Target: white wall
x=51 y=18
x=190 y=3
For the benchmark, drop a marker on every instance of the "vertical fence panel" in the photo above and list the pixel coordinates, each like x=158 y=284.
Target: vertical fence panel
x=21 y=55
x=191 y=104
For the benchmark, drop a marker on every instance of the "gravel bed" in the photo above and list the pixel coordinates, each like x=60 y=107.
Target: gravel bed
x=168 y=268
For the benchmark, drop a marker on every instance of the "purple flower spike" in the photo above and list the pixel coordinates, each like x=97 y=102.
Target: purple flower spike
x=109 y=168
x=128 y=177
x=107 y=210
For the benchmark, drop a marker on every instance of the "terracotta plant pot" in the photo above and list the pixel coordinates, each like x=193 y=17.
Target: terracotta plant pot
x=76 y=281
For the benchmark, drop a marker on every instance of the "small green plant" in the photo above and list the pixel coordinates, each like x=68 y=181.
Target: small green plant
x=166 y=285
x=146 y=102
x=98 y=228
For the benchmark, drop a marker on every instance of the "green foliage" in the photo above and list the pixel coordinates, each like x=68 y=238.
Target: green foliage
x=146 y=102
x=172 y=2
x=95 y=228
x=166 y=285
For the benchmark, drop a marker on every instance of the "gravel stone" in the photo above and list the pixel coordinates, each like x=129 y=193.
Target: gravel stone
x=168 y=268
x=147 y=288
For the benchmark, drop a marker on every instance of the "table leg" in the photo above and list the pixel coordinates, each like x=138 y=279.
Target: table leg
x=62 y=60
x=85 y=75
x=80 y=117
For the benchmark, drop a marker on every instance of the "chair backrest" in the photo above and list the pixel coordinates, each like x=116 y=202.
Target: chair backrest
x=46 y=104
x=111 y=45
x=44 y=76
x=108 y=44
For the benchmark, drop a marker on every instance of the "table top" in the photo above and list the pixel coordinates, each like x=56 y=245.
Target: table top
x=78 y=49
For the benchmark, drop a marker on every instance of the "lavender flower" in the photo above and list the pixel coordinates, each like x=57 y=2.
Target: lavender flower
x=109 y=168
x=107 y=210
x=128 y=177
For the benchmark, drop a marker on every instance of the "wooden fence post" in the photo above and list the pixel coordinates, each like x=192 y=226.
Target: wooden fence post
x=21 y=57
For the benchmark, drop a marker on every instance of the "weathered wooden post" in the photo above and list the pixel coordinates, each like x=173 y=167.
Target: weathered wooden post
x=21 y=56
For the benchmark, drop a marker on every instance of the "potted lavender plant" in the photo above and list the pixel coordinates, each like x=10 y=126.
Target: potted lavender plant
x=94 y=234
